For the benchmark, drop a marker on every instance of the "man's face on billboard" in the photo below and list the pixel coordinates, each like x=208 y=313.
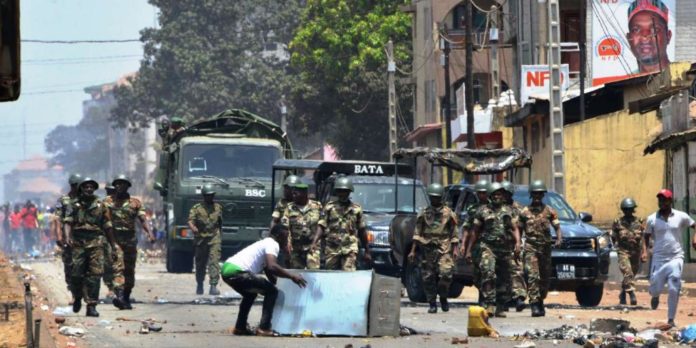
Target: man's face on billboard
x=648 y=42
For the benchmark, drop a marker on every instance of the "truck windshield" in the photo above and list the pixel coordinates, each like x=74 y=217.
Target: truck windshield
x=565 y=212
x=228 y=161
x=379 y=198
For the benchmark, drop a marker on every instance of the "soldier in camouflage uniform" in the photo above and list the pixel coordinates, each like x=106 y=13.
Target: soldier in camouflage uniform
x=493 y=224
x=471 y=255
x=435 y=240
x=627 y=233
x=302 y=217
x=62 y=207
x=125 y=210
x=536 y=219
x=108 y=276
x=205 y=221
x=87 y=221
x=342 y=224
x=279 y=209
x=517 y=289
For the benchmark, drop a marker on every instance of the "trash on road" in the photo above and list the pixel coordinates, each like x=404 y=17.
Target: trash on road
x=407 y=331
x=526 y=344
x=688 y=334
x=62 y=311
x=59 y=320
x=460 y=340
x=44 y=307
x=648 y=334
x=478 y=323
x=104 y=322
x=71 y=331
x=613 y=326
x=564 y=332
x=161 y=300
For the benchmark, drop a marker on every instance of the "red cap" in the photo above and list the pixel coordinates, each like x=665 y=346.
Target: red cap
x=654 y=6
x=665 y=193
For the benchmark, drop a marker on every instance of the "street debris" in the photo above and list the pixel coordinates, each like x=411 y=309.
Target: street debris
x=460 y=340
x=613 y=326
x=71 y=331
x=406 y=331
x=648 y=334
x=62 y=311
x=526 y=344
x=59 y=320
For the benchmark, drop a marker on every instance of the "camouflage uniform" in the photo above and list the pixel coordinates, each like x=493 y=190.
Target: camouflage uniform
x=109 y=268
x=495 y=255
x=208 y=220
x=435 y=234
x=62 y=207
x=467 y=225
x=302 y=222
x=88 y=218
x=628 y=234
x=280 y=209
x=517 y=286
x=124 y=212
x=342 y=221
x=537 y=248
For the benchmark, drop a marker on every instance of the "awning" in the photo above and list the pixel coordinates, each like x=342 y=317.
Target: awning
x=422 y=131
x=671 y=141
x=470 y=161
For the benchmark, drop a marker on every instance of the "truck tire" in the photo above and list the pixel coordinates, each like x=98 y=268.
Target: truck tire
x=455 y=289
x=414 y=283
x=179 y=261
x=589 y=295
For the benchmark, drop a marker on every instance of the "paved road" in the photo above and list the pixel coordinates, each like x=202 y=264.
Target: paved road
x=201 y=321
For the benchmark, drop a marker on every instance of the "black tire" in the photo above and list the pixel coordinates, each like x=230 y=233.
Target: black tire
x=589 y=295
x=455 y=289
x=414 y=283
x=179 y=261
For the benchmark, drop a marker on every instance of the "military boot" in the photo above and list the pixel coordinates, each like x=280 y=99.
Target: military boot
x=444 y=304
x=77 y=305
x=536 y=309
x=433 y=307
x=542 y=307
x=622 y=298
x=632 y=295
x=520 y=305
x=127 y=299
x=500 y=311
x=117 y=300
x=213 y=290
x=199 y=289
x=92 y=311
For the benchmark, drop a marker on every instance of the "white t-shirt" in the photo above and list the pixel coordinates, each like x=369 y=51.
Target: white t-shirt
x=253 y=258
x=668 y=234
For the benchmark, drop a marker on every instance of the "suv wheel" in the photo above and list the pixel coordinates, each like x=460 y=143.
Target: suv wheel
x=589 y=295
x=414 y=283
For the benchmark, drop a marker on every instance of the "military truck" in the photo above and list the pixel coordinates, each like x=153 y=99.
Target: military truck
x=374 y=190
x=234 y=151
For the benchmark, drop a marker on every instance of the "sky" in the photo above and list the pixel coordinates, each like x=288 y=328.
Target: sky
x=54 y=75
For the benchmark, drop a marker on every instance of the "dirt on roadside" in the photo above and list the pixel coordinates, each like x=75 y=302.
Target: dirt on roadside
x=12 y=332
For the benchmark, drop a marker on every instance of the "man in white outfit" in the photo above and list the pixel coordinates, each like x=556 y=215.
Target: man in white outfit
x=667 y=226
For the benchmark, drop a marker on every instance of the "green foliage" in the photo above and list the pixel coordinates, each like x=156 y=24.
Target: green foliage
x=339 y=53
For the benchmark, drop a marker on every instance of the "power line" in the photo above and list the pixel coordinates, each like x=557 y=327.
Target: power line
x=53 y=91
x=70 y=42
x=79 y=58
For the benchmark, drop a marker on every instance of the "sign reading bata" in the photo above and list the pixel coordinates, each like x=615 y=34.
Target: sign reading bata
x=536 y=80
x=631 y=37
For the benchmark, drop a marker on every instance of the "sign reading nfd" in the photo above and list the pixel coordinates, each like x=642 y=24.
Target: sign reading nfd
x=536 y=80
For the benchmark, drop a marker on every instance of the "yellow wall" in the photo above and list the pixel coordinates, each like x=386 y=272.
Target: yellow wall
x=605 y=163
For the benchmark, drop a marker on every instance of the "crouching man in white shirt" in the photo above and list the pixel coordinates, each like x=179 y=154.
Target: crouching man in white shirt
x=667 y=226
x=241 y=273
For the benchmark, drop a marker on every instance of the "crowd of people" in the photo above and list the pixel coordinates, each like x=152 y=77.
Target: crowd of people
x=26 y=228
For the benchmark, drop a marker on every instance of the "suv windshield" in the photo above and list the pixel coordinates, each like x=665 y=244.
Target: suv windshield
x=228 y=161
x=379 y=198
x=565 y=212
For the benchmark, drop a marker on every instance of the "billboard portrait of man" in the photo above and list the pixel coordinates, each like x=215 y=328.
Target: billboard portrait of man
x=648 y=34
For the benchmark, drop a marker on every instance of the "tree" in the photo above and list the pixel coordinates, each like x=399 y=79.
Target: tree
x=339 y=54
x=206 y=57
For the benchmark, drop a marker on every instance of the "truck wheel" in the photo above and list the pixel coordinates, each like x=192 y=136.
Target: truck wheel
x=414 y=283
x=455 y=289
x=179 y=261
x=589 y=295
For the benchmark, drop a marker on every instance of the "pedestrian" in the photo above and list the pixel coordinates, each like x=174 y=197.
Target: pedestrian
x=87 y=222
x=436 y=245
x=537 y=218
x=205 y=221
x=282 y=204
x=125 y=211
x=517 y=291
x=473 y=257
x=342 y=225
x=30 y=226
x=7 y=240
x=16 y=229
x=108 y=276
x=63 y=206
x=493 y=224
x=667 y=226
x=302 y=217
x=241 y=273
x=627 y=233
